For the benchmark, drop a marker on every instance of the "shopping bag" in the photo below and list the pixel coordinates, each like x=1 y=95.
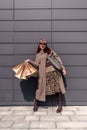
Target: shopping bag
x=25 y=70
x=55 y=62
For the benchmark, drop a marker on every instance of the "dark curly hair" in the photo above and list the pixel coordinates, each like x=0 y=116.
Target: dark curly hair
x=46 y=50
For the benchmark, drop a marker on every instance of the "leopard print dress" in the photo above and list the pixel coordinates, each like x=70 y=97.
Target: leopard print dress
x=52 y=79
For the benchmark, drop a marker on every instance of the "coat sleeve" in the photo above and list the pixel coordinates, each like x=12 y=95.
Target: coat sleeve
x=57 y=57
x=37 y=60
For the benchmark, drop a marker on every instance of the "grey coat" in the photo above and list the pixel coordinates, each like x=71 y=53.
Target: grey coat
x=41 y=62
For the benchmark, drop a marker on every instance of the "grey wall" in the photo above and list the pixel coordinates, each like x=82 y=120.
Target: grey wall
x=63 y=23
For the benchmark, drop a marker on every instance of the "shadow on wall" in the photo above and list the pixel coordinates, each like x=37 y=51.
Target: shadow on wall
x=28 y=88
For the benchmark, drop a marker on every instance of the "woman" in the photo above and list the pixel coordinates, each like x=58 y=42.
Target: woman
x=49 y=79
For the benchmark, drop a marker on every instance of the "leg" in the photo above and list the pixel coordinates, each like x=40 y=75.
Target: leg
x=35 y=108
x=59 y=109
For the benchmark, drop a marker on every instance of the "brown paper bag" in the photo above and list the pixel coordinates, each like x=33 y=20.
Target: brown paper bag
x=24 y=70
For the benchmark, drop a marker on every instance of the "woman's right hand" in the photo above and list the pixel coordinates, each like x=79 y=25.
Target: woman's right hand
x=27 y=60
x=64 y=72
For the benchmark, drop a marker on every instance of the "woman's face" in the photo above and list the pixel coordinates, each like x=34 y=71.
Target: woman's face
x=42 y=46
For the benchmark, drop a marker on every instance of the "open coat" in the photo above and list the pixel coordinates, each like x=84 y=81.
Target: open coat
x=41 y=62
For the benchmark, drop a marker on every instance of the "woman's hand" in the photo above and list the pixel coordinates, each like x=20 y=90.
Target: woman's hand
x=64 y=72
x=27 y=60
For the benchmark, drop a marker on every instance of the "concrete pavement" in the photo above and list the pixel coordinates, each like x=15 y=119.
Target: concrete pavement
x=46 y=118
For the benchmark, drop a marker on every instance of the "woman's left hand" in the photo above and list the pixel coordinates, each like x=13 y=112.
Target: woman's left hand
x=64 y=72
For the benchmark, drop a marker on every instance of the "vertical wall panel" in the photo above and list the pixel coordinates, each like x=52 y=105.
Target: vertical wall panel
x=69 y=26
x=6 y=4
x=72 y=48
x=69 y=39
x=6 y=84
x=6 y=37
x=32 y=4
x=6 y=72
x=6 y=49
x=6 y=52
x=69 y=4
x=69 y=14
x=6 y=97
x=7 y=59
x=71 y=60
x=6 y=25
x=33 y=14
x=33 y=26
x=6 y=14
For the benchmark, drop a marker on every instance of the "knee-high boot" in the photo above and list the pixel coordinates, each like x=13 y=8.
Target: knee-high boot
x=59 y=109
x=35 y=108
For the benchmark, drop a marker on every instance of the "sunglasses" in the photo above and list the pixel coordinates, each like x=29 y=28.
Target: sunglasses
x=42 y=43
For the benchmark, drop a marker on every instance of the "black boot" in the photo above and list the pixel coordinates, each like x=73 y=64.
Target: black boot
x=35 y=108
x=59 y=109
